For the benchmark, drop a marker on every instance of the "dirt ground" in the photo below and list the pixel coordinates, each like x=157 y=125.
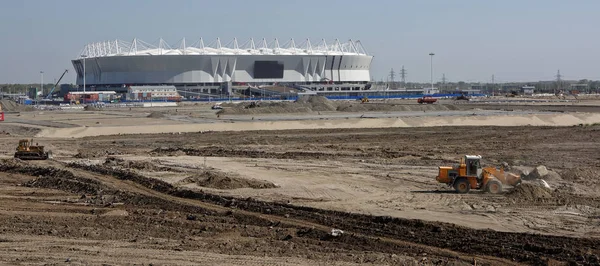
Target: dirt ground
x=273 y=197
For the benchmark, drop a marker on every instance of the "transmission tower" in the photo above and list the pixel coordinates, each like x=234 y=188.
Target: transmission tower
x=444 y=81
x=493 y=85
x=392 y=76
x=558 y=81
x=403 y=76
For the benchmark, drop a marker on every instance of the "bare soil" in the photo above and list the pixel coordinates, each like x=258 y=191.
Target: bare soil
x=148 y=202
x=273 y=197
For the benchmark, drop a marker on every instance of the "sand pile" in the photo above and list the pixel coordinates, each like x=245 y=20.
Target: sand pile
x=527 y=191
x=220 y=180
x=12 y=106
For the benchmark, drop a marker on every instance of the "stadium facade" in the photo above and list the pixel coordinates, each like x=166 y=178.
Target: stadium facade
x=207 y=69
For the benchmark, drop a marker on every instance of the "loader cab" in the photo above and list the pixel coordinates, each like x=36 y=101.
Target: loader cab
x=472 y=165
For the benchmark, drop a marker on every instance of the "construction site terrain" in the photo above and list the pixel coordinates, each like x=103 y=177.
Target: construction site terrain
x=298 y=196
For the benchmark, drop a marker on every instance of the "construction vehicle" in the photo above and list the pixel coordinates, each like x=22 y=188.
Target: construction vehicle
x=364 y=99
x=54 y=87
x=27 y=151
x=462 y=97
x=512 y=94
x=426 y=99
x=469 y=174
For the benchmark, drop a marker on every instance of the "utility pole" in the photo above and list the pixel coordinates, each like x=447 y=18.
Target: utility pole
x=403 y=76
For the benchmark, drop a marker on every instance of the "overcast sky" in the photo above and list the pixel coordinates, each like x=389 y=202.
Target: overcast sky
x=515 y=40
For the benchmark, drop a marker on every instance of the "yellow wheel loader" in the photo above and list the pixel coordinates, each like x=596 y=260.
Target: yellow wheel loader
x=469 y=174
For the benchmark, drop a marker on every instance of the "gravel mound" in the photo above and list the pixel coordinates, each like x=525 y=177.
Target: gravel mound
x=219 y=180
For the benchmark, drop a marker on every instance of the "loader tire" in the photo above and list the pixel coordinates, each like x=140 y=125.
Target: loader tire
x=462 y=186
x=494 y=187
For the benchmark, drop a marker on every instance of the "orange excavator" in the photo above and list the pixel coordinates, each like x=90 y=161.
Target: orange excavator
x=469 y=174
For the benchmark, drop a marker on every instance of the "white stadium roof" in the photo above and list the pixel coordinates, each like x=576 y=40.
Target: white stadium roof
x=139 y=47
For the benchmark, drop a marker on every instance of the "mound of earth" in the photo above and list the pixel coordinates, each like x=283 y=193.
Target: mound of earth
x=304 y=104
x=579 y=174
x=317 y=103
x=14 y=130
x=139 y=165
x=11 y=163
x=530 y=192
x=220 y=180
x=156 y=115
x=91 y=108
x=12 y=106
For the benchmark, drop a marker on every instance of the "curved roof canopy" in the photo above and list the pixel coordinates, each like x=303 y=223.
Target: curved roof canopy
x=138 y=47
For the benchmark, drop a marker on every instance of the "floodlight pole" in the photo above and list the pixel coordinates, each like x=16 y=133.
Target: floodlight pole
x=431 y=66
x=41 y=87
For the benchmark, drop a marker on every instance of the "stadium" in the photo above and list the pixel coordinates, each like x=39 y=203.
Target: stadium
x=205 y=70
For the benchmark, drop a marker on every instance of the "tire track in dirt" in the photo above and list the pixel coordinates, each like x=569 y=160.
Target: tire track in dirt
x=512 y=246
x=187 y=201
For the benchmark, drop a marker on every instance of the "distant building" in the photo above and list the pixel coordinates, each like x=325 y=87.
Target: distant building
x=528 y=90
x=510 y=88
x=427 y=91
x=90 y=96
x=578 y=88
x=147 y=93
x=470 y=91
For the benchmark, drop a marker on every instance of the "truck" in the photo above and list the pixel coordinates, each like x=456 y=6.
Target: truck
x=426 y=99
